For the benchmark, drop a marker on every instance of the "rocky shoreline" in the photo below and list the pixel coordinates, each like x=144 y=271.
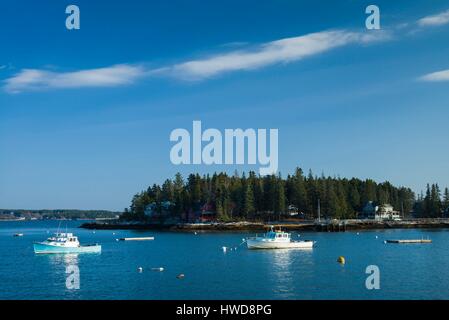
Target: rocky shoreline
x=331 y=226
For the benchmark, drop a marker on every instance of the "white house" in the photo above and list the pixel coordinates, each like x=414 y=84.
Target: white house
x=382 y=212
x=386 y=212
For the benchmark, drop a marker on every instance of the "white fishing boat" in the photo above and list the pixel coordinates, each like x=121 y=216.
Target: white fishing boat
x=64 y=243
x=277 y=239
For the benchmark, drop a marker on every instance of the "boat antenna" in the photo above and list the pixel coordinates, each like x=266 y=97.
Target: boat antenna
x=59 y=226
x=319 y=210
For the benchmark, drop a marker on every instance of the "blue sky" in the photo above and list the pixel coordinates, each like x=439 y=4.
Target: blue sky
x=85 y=115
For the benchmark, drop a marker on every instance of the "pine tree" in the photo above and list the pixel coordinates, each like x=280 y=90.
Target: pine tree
x=248 y=203
x=435 y=200
x=354 y=198
x=299 y=192
x=279 y=199
x=168 y=191
x=446 y=198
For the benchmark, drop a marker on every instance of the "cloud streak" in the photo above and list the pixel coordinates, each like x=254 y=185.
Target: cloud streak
x=275 y=52
x=436 y=76
x=435 y=20
x=35 y=79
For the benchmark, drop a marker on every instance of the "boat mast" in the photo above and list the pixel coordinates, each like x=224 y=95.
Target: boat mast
x=402 y=209
x=319 y=210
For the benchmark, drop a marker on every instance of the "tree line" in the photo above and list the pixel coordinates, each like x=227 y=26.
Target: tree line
x=432 y=204
x=254 y=197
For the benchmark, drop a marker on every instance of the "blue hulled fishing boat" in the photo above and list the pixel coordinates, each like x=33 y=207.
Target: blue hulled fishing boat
x=64 y=243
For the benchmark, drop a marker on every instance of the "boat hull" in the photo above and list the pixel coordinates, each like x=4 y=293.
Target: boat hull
x=45 y=248
x=257 y=244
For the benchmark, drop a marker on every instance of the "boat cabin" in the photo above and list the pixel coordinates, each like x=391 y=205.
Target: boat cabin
x=277 y=234
x=63 y=237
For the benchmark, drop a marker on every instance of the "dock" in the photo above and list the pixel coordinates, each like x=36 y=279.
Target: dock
x=137 y=239
x=410 y=241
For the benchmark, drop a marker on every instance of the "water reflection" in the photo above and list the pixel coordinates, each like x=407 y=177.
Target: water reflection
x=283 y=266
x=66 y=259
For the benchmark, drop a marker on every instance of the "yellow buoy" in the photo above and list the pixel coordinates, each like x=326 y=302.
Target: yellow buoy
x=341 y=260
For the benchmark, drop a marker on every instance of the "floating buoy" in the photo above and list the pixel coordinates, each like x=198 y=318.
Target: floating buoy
x=358 y=233
x=140 y=269
x=377 y=237
x=116 y=239
x=195 y=233
x=113 y=233
x=341 y=260
x=157 y=269
x=180 y=276
x=385 y=241
x=224 y=249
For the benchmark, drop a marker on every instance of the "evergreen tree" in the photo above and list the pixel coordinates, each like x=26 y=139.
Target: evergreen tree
x=446 y=198
x=279 y=199
x=248 y=203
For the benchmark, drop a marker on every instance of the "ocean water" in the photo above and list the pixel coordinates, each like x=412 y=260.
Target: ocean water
x=418 y=271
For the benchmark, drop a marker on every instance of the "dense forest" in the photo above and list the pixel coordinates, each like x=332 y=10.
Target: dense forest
x=254 y=197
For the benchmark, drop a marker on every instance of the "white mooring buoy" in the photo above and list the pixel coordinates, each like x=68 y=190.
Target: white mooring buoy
x=158 y=269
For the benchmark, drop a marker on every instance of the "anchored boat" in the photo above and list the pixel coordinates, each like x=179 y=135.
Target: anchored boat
x=64 y=243
x=277 y=239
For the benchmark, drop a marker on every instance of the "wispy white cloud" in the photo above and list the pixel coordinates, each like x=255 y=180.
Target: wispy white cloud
x=279 y=51
x=35 y=79
x=439 y=19
x=436 y=76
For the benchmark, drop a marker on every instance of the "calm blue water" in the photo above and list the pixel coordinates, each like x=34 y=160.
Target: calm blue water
x=406 y=271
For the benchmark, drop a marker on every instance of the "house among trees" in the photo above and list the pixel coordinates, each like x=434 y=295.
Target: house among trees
x=154 y=210
x=292 y=210
x=446 y=213
x=382 y=212
x=369 y=210
x=207 y=213
x=387 y=212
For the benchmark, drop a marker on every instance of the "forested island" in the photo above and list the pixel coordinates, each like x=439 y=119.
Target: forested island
x=71 y=214
x=249 y=197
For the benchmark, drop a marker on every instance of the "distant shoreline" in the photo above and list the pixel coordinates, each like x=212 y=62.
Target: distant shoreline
x=331 y=226
x=55 y=219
